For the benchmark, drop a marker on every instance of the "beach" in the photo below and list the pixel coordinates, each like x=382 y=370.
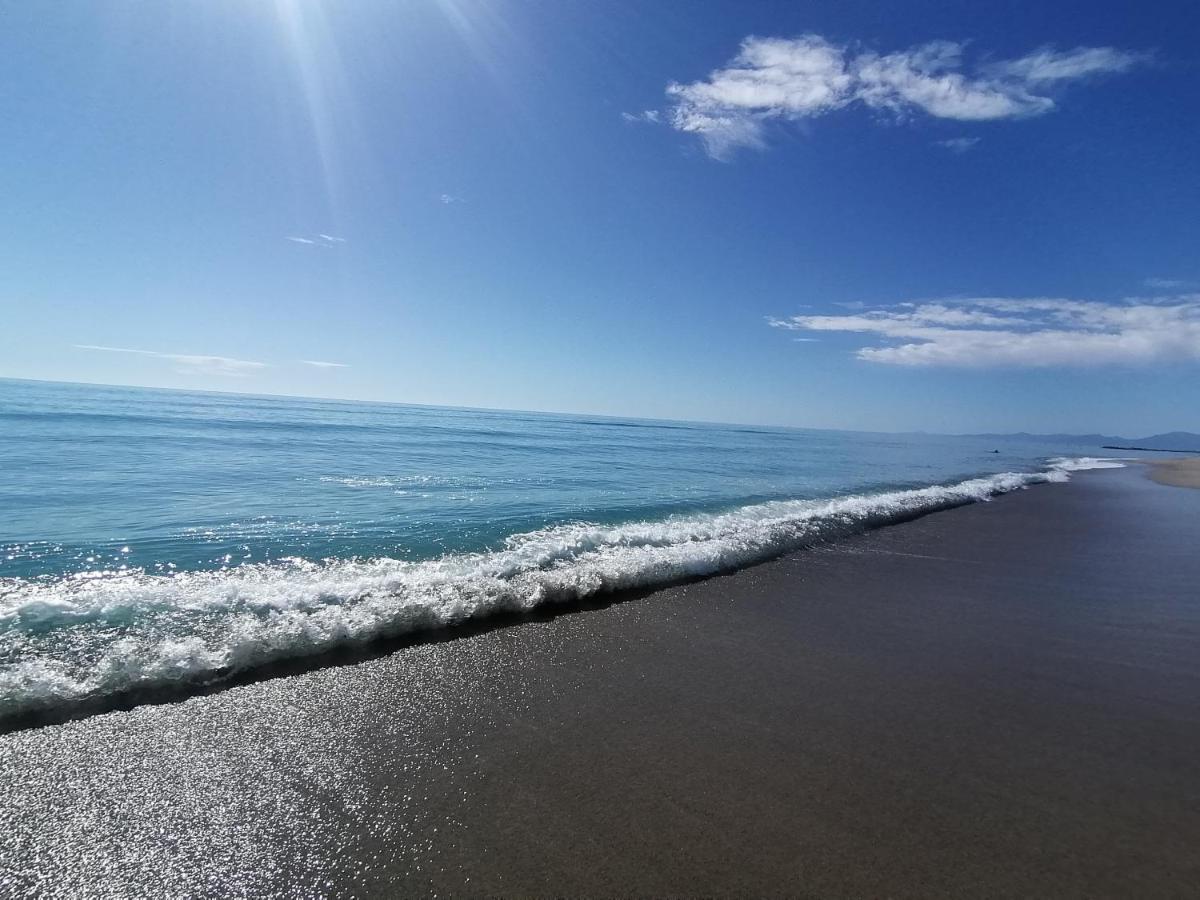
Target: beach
x=994 y=700
x=1176 y=472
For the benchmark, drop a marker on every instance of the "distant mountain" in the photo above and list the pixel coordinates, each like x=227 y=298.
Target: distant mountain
x=1055 y=438
x=1172 y=440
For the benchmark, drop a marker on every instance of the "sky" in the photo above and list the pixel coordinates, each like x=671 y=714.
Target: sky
x=923 y=216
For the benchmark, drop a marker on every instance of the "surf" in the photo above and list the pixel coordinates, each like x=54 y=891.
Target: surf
x=77 y=638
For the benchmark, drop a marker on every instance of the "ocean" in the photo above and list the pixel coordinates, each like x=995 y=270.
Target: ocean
x=154 y=539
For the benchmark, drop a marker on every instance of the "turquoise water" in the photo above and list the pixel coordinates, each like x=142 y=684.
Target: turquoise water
x=151 y=537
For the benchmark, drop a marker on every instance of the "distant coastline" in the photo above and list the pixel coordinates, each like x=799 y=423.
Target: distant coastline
x=1167 y=442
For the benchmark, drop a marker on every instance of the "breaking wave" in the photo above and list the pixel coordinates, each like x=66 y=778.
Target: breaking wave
x=1079 y=463
x=77 y=638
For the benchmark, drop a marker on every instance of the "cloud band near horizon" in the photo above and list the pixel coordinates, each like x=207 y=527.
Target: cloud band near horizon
x=195 y=364
x=1000 y=332
x=190 y=363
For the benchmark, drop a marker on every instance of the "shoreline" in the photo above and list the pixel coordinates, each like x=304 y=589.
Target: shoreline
x=998 y=699
x=1175 y=472
x=51 y=692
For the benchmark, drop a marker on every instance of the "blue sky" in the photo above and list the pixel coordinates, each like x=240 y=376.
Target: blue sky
x=952 y=217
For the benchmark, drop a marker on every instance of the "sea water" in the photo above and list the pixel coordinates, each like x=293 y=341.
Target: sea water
x=153 y=538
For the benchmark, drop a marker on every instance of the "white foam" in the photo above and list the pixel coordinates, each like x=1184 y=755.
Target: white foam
x=133 y=629
x=1082 y=463
x=385 y=481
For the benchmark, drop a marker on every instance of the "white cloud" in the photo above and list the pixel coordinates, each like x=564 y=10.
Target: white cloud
x=769 y=78
x=926 y=78
x=324 y=365
x=1036 y=332
x=320 y=240
x=1047 y=64
x=450 y=198
x=191 y=364
x=959 y=144
x=791 y=79
x=653 y=116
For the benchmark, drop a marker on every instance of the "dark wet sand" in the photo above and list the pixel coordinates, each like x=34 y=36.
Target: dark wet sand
x=999 y=700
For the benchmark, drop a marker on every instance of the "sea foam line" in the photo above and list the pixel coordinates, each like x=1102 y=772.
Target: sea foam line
x=79 y=638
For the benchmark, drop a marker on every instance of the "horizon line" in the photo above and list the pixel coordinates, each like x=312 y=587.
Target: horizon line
x=558 y=412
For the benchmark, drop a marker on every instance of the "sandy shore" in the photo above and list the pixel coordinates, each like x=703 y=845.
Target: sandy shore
x=998 y=700
x=1176 y=472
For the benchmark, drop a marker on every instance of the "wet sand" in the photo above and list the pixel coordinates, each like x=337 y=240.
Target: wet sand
x=1176 y=472
x=998 y=700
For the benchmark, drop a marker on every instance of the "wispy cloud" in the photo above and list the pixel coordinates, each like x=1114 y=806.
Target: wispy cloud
x=191 y=364
x=1166 y=284
x=324 y=365
x=451 y=198
x=1048 y=65
x=959 y=144
x=984 y=332
x=791 y=79
x=653 y=116
x=320 y=240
